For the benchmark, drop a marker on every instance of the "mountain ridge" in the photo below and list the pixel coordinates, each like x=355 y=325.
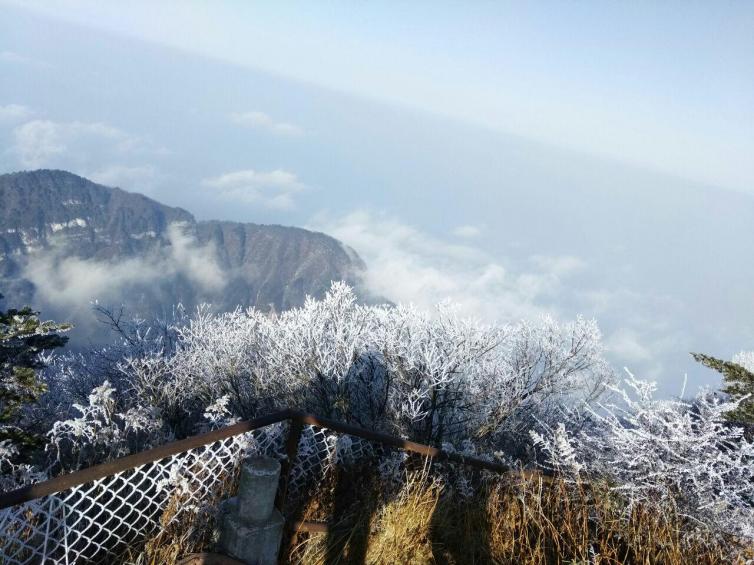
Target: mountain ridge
x=56 y=227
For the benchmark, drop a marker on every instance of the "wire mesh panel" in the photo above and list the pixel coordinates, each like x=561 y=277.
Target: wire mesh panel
x=321 y=450
x=102 y=520
x=98 y=521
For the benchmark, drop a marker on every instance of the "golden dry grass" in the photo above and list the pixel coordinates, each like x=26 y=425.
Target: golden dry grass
x=516 y=519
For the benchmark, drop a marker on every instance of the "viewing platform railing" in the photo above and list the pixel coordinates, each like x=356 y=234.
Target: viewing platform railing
x=96 y=514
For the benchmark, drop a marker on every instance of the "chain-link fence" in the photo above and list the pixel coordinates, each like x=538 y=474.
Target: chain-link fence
x=101 y=520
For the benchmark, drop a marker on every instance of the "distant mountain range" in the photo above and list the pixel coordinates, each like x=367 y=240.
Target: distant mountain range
x=66 y=241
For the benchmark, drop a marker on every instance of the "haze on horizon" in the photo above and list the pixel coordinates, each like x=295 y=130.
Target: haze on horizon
x=520 y=159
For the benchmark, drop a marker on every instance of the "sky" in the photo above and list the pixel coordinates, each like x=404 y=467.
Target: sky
x=668 y=85
x=523 y=159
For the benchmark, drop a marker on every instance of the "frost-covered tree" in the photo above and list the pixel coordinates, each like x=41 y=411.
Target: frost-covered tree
x=434 y=376
x=738 y=375
x=660 y=452
x=24 y=341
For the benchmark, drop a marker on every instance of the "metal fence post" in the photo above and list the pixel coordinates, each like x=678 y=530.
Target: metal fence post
x=291 y=451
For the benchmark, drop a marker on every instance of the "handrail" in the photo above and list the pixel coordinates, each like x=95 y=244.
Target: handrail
x=76 y=478
x=64 y=482
x=400 y=443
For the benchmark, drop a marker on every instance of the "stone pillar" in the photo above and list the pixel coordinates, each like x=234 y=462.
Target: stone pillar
x=250 y=526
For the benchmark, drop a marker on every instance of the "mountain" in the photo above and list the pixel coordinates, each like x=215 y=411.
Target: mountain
x=66 y=241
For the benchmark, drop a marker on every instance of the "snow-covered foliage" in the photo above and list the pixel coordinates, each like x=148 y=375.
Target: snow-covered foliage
x=745 y=359
x=14 y=475
x=558 y=448
x=660 y=452
x=102 y=432
x=433 y=377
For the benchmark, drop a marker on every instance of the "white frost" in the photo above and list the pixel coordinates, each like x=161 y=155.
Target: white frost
x=76 y=222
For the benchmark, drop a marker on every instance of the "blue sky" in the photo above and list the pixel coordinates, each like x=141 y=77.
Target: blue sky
x=521 y=159
x=667 y=85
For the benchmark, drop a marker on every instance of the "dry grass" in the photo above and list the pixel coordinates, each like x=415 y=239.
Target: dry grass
x=519 y=520
x=516 y=519
x=184 y=531
x=371 y=531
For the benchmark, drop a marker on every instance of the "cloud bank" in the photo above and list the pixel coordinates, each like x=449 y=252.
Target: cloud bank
x=138 y=178
x=74 y=283
x=467 y=231
x=39 y=142
x=15 y=58
x=407 y=265
x=96 y=150
x=274 y=189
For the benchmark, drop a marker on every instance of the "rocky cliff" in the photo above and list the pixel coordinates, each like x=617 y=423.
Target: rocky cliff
x=66 y=241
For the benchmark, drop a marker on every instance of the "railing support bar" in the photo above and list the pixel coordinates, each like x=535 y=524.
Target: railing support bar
x=291 y=451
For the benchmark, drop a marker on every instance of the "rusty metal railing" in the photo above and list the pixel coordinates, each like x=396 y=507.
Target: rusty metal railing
x=297 y=420
x=94 y=513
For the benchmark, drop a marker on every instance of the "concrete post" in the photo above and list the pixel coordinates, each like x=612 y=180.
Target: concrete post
x=250 y=526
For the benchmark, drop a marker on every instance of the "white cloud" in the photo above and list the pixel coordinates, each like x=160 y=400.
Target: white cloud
x=75 y=282
x=14 y=113
x=96 y=150
x=197 y=262
x=467 y=231
x=273 y=189
x=407 y=265
x=40 y=143
x=410 y=266
x=640 y=329
x=644 y=350
x=626 y=344
x=262 y=121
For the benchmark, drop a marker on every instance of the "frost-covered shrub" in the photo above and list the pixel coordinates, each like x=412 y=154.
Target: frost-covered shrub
x=217 y=415
x=101 y=432
x=431 y=376
x=560 y=453
x=434 y=377
x=660 y=452
x=14 y=475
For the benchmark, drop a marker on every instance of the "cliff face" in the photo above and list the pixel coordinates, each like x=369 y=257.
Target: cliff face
x=277 y=265
x=57 y=228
